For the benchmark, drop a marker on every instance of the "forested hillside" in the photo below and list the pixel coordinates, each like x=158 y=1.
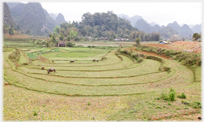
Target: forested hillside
x=100 y=26
x=104 y=24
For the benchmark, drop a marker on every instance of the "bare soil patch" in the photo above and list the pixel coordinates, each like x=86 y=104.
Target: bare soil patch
x=181 y=46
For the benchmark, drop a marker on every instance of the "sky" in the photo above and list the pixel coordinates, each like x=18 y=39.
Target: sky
x=161 y=13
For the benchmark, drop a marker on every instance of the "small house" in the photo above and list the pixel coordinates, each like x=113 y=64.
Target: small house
x=61 y=44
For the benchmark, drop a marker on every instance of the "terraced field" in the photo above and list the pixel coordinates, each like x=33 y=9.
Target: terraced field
x=104 y=78
x=84 y=78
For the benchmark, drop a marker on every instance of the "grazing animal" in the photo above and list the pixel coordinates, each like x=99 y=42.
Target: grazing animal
x=52 y=61
x=43 y=67
x=94 y=60
x=72 y=61
x=199 y=118
x=51 y=70
x=97 y=60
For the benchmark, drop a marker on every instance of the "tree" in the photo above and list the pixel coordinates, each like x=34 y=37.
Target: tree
x=53 y=39
x=68 y=38
x=47 y=44
x=73 y=34
x=56 y=29
x=196 y=36
x=11 y=31
x=137 y=40
x=61 y=36
x=50 y=35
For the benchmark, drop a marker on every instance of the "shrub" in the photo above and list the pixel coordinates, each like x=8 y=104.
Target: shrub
x=14 y=56
x=164 y=96
x=103 y=58
x=140 y=59
x=137 y=40
x=69 y=44
x=183 y=96
x=170 y=97
x=35 y=113
x=77 y=39
x=158 y=107
x=196 y=105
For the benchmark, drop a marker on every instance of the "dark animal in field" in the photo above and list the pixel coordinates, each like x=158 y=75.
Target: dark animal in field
x=52 y=61
x=72 y=61
x=51 y=70
x=199 y=118
x=95 y=60
x=43 y=67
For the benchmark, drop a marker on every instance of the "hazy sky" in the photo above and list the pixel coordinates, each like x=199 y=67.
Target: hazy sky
x=161 y=13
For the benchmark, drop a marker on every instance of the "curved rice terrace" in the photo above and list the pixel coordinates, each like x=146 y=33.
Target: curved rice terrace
x=107 y=78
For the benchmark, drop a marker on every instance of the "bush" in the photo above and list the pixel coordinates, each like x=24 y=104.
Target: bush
x=14 y=56
x=77 y=39
x=164 y=96
x=140 y=59
x=35 y=113
x=68 y=38
x=171 y=96
x=196 y=105
x=137 y=40
x=69 y=44
x=103 y=58
x=183 y=96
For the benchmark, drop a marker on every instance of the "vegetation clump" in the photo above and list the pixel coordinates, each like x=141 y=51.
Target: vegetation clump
x=69 y=44
x=35 y=113
x=133 y=55
x=170 y=96
x=193 y=104
x=14 y=57
x=183 y=96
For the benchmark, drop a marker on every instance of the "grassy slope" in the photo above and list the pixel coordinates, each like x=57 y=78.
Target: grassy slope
x=21 y=104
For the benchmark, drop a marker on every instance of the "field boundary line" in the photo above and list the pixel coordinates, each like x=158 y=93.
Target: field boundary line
x=99 y=77
x=130 y=67
x=76 y=95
